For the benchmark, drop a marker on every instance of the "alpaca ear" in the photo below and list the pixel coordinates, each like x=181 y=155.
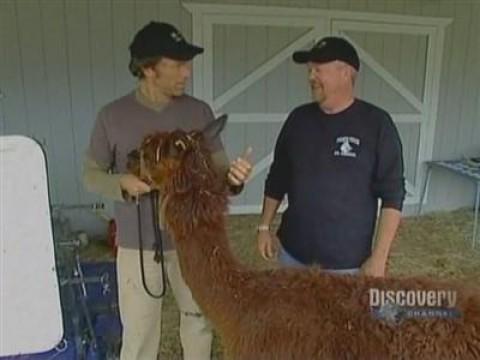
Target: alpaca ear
x=213 y=129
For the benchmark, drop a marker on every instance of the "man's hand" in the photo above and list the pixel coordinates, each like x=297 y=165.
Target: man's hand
x=387 y=227
x=133 y=185
x=374 y=266
x=240 y=169
x=267 y=244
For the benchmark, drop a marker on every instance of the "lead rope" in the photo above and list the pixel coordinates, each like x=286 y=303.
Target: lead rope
x=158 y=244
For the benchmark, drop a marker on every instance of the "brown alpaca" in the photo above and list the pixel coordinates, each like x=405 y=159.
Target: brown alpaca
x=286 y=313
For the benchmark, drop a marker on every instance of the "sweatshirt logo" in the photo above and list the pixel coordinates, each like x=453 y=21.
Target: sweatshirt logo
x=344 y=146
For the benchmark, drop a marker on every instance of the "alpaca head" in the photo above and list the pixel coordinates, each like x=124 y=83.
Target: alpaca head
x=178 y=161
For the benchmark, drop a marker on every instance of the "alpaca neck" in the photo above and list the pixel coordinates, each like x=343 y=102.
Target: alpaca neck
x=207 y=258
x=208 y=265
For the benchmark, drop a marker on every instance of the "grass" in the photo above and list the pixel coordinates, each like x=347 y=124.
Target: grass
x=438 y=245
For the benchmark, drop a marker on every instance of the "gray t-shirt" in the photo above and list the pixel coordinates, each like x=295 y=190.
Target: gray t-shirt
x=120 y=128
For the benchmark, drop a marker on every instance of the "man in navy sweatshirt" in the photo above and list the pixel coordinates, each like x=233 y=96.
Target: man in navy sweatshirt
x=334 y=159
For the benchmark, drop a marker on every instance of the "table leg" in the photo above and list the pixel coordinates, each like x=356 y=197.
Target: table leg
x=475 y=220
x=424 y=190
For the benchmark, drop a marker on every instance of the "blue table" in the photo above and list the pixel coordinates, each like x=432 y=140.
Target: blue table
x=463 y=168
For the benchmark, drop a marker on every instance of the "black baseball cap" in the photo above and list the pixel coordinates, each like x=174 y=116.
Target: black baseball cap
x=328 y=49
x=162 y=39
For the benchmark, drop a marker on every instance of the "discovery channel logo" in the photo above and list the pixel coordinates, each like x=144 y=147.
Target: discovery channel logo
x=394 y=306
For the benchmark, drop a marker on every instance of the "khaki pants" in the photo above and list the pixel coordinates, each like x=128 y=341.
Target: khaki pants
x=141 y=315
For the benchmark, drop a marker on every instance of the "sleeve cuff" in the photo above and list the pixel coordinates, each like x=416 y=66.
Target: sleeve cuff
x=235 y=189
x=274 y=195
x=393 y=204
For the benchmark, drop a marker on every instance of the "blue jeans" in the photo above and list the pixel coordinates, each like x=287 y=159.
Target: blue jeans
x=286 y=260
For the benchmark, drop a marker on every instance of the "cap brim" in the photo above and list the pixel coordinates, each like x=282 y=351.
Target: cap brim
x=184 y=54
x=301 y=57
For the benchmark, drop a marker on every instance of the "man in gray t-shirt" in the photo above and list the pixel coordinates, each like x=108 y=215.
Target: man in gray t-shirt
x=161 y=59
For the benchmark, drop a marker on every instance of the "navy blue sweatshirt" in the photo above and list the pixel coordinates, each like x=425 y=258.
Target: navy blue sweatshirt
x=333 y=169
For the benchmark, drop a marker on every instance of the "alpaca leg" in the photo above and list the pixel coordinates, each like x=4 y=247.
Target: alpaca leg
x=140 y=314
x=195 y=331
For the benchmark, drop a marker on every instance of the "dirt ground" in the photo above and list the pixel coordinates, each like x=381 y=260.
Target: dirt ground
x=438 y=245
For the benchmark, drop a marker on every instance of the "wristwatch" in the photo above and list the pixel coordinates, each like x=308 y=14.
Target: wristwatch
x=263 y=227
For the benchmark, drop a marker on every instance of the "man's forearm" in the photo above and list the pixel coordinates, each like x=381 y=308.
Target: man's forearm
x=99 y=181
x=270 y=207
x=387 y=228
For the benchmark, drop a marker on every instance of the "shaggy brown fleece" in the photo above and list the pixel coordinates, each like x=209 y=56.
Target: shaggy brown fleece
x=287 y=313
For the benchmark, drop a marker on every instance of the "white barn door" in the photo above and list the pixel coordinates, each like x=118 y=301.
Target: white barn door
x=247 y=72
